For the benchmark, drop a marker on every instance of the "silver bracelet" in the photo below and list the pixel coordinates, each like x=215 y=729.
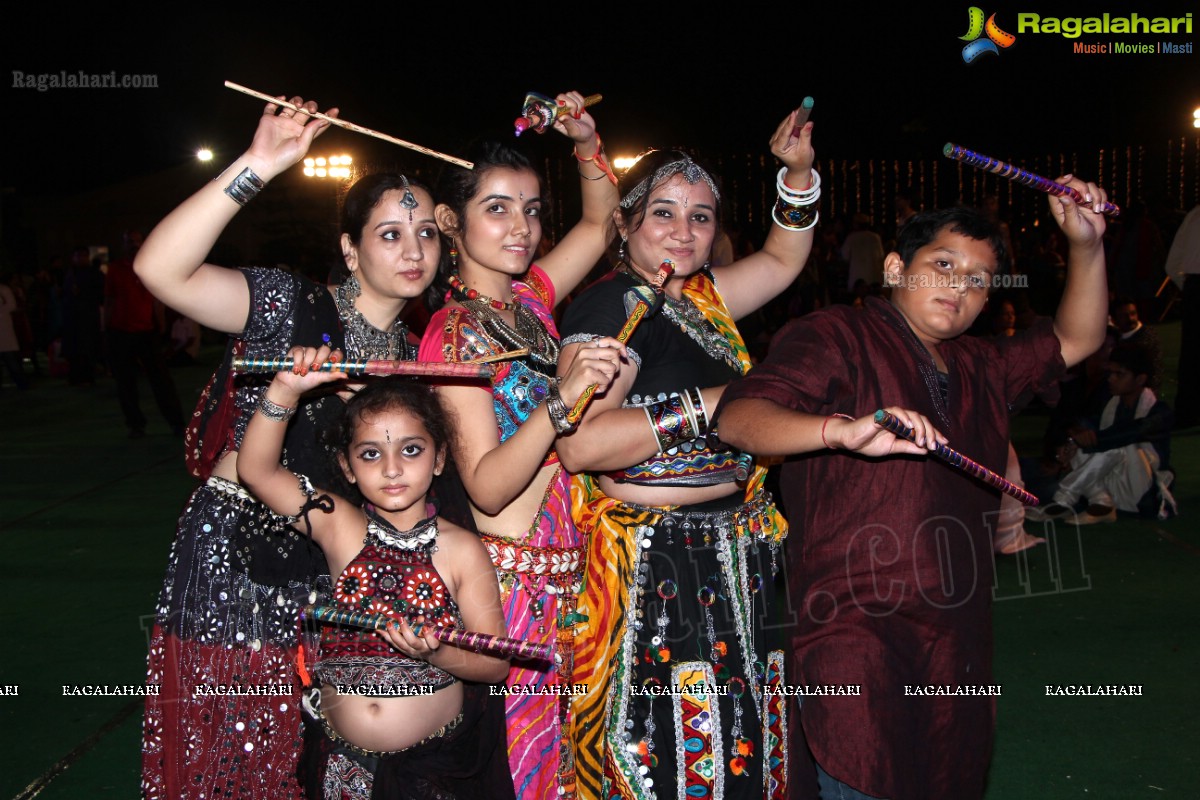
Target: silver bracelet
x=274 y=411
x=244 y=187
x=556 y=408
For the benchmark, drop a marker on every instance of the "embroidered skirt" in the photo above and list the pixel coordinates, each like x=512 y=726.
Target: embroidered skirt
x=678 y=654
x=226 y=721
x=539 y=584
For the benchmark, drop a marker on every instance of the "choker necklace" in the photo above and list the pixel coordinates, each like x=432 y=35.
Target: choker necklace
x=418 y=537
x=364 y=340
x=529 y=332
x=462 y=293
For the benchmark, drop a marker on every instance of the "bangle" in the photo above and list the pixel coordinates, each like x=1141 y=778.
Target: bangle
x=801 y=195
x=796 y=210
x=244 y=187
x=599 y=160
x=825 y=441
x=699 y=410
x=274 y=411
x=556 y=408
x=793 y=217
x=672 y=421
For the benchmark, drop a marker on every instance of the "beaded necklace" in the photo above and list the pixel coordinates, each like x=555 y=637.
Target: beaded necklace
x=462 y=293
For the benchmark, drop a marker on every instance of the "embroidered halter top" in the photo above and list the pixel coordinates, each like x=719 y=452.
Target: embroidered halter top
x=393 y=574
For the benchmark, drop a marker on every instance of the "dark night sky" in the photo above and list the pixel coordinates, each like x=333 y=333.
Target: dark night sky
x=888 y=83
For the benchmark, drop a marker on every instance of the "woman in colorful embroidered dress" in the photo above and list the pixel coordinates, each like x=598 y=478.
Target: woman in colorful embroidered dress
x=520 y=494
x=237 y=575
x=681 y=558
x=391 y=442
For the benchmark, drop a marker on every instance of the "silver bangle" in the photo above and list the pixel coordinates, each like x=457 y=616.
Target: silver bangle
x=274 y=411
x=244 y=187
x=556 y=408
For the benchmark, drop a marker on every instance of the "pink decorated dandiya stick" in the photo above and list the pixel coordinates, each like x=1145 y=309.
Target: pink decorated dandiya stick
x=1021 y=176
x=642 y=307
x=956 y=459
x=499 y=646
x=430 y=369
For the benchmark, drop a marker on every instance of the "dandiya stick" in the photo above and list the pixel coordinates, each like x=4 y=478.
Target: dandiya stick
x=350 y=126
x=1021 y=176
x=433 y=369
x=539 y=111
x=956 y=459
x=499 y=646
x=642 y=308
x=802 y=113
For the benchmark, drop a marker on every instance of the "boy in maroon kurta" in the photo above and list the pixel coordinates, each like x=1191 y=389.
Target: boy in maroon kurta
x=889 y=561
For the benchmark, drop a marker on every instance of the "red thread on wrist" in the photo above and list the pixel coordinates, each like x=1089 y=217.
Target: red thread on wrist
x=825 y=441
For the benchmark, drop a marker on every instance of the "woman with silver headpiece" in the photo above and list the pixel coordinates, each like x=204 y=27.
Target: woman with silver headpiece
x=226 y=719
x=675 y=652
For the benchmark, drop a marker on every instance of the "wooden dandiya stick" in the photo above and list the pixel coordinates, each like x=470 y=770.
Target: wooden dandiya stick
x=642 y=307
x=956 y=459
x=350 y=126
x=539 y=112
x=433 y=369
x=499 y=646
x=1023 y=177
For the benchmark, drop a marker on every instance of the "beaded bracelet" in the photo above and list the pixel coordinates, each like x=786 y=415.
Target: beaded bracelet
x=244 y=187
x=599 y=160
x=274 y=411
x=825 y=441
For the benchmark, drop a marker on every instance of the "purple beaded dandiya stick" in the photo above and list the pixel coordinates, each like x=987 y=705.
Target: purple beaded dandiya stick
x=956 y=459
x=1022 y=176
x=500 y=646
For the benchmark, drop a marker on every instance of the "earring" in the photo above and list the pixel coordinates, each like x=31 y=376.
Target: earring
x=621 y=250
x=454 y=258
x=351 y=287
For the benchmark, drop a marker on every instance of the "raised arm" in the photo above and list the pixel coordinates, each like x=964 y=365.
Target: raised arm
x=171 y=262
x=573 y=258
x=258 y=464
x=751 y=282
x=1083 y=311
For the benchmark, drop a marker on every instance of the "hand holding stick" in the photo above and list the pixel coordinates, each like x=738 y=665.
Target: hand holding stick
x=956 y=459
x=640 y=302
x=350 y=126
x=498 y=646
x=1023 y=177
x=539 y=112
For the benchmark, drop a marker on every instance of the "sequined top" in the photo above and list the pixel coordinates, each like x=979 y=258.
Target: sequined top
x=285 y=310
x=393 y=574
x=454 y=335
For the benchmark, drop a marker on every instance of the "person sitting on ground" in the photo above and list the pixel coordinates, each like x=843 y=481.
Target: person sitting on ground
x=1121 y=457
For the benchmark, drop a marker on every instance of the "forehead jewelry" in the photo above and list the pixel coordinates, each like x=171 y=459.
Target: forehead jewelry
x=690 y=170
x=409 y=199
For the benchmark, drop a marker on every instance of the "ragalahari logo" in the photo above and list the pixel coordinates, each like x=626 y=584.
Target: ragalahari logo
x=976 y=27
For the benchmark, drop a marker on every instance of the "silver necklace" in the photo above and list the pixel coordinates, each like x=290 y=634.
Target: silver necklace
x=529 y=332
x=364 y=340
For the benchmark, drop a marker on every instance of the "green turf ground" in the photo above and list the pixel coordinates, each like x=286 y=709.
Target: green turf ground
x=88 y=516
